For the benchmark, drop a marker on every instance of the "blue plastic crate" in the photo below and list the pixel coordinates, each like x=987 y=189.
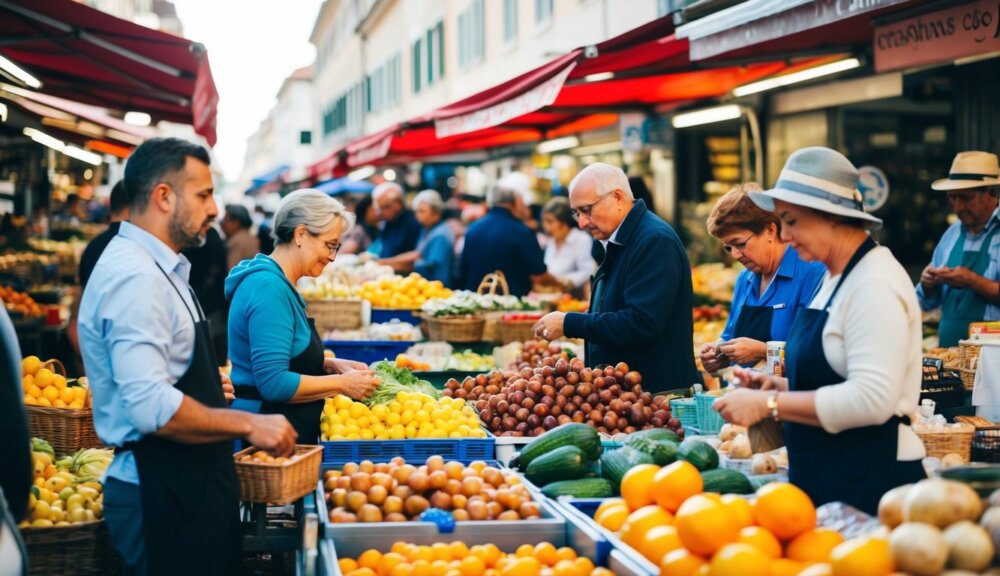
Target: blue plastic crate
x=620 y=557
x=367 y=351
x=684 y=409
x=380 y=315
x=465 y=450
x=709 y=421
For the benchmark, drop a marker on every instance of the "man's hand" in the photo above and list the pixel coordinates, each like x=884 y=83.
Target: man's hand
x=929 y=278
x=744 y=350
x=341 y=366
x=743 y=407
x=358 y=384
x=227 y=387
x=959 y=277
x=273 y=433
x=709 y=360
x=550 y=327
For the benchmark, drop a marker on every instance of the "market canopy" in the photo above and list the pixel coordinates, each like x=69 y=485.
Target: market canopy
x=81 y=54
x=339 y=186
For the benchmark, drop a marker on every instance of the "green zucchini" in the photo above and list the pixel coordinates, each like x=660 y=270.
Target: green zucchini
x=663 y=451
x=656 y=434
x=582 y=488
x=615 y=463
x=699 y=453
x=563 y=463
x=584 y=437
x=726 y=481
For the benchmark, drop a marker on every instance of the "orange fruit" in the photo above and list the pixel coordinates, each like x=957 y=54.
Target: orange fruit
x=347 y=565
x=814 y=545
x=522 y=567
x=820 y=569
x=642 y=521
x=637 y=485
x=761 y=539
x=459 y=550
x=609 y=503
x=786 y=567
x=674 y=484
x=862 y=557
x=421 y=568
x=401 y=548
x=680 y=562
x=740 y=560
x=403 y=569
x=370 y=559
x=472 y=566
x=584 y=565
x=564 y=568
x=741 y=507
x=422 y=553
x=525 y=551
x=441 y=551
x=612 y=517
x=565 y=553
x=784 y=509
x=705 y=525
x=361 y=572
x=389 y=561
x=546 y=553
x=658 y=541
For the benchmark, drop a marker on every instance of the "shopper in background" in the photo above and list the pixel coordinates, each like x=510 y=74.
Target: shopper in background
x=769 y=292
x=434 y=255
x=568 y=252
x=641 y=191
x=15 y=445
x=501 y=241
x=171 y=499
x=640 y=309
x=240 y=244
x=278 y=361
x=400 y=229
x=963 y=278
x=119 y=213
x=365 y=230
x=853 y=357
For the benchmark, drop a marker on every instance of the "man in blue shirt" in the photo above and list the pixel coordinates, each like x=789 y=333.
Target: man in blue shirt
x=171 y=498
x=501 y=241
x=963 y=277
x=400 y=229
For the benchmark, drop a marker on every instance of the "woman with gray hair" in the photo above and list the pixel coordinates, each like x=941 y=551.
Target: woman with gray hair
x=278 y=360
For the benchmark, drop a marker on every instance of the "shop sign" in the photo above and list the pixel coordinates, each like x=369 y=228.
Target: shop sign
x=874 y=187
x=630 y=126
x=967 y=30
x=370 y=154
x=640 y=130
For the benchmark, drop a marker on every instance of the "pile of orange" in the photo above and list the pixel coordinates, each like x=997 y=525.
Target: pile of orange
x=665 y=516
x=457 y=559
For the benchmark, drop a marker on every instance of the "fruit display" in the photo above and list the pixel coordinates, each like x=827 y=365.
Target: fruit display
x=343 y=278
x=534 y=352
x=714 y=282
x=569 y=304
x=402 y=293
x=43 y=387
x=262 y=457
x=66 y=491
x=403 y=559
x=398 y=492
x=533 y=400
x=409 y=415
x=392 y=331
x=19 y=303
x=464 y=303
x=464 y=361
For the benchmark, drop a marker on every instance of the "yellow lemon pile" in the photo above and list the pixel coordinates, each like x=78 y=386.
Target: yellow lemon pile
x=43 y=387
x=402 y=293
x=410 y=415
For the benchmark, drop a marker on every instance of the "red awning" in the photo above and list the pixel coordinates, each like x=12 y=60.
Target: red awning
x=85 y=55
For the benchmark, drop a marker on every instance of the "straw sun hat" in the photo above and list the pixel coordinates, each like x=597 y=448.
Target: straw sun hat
x=971 y=170
x=821 y=179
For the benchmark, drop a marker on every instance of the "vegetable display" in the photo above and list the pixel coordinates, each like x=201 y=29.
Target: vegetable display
x=394 y=379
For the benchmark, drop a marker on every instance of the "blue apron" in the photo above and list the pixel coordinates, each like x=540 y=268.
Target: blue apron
x=856 y=466
x=962 y=306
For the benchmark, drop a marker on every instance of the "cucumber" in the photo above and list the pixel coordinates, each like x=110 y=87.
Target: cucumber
x=587 y=439
x=703 y=456
x=656 y=434
x=563 y=463
x=726 y=481
x=582 y=488
x=663 y=451
x=615 y=463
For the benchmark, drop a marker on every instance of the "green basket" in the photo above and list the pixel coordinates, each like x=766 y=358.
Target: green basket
x=684 y=409
x=709 y=421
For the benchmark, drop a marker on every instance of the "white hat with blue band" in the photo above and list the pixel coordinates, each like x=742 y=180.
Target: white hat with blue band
x=821 y=179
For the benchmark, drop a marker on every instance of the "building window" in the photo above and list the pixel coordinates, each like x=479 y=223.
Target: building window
x=471 y=35
x=418 y=56
x=382 y=85
x=543 y=12
x=305 y=137
x=509 y=21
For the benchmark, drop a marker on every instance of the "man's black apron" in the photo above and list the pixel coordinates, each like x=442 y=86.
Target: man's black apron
x=190 y=495
x=856 y=466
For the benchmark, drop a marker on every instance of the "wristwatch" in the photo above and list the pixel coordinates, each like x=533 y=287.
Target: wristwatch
x=772 y=405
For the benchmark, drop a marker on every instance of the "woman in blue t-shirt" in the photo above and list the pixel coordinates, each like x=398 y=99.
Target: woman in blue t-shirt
x=775 y=284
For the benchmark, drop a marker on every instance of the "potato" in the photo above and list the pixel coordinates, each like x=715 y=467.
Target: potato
x=941 y=503
x=918 y=549
x=969 y=547
x=890 y=507
x=763 y=464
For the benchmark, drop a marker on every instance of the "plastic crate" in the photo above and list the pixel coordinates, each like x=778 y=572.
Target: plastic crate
x=684 y=409
x=380 y=315
x=465 y=450
x=621 y=558
x=367 y=351
x=709 y=421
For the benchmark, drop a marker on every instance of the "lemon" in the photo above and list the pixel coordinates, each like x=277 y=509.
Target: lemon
x=43 y=377
x=50 y=394
x=79 y=393
x=358 y=410
x=66 y=395
x=367 y=434
x=422 y=416
x=438 y=433
x=406 y=417
x=59 y=381
x=396 y=407
x=344 y=414
x=363 y=422
x=380 y=411
x=342 y=402
x=397 y=432
x=30 y=365
x=30 y=400
x=43 y=401
x=393 y=419
x=353 y=436
x=41 y=510
x=338 y=429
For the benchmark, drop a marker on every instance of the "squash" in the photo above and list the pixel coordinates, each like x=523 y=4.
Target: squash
x=918 y=549
x=698 y=453
x=582 y=488
x=663 y=451
x=584 y=437
x=739 y=448
x=726 y=481
x=941 y=503
x=763 y=464
x=969 y=547
x=563 y=463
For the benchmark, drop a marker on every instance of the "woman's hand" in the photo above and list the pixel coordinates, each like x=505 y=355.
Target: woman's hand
x=709 y=359
x=759 y=381
x=744 y=350
x=358 y=384
x=341 y=366
x=743 y=407
x=227 y=387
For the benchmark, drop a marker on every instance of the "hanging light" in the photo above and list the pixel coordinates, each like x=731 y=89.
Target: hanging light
x=565 y=143
x=19 y=73
x=796 y=77
x=706 y=116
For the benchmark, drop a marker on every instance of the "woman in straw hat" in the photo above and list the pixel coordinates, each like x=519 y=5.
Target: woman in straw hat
x=963 y=273
x=853 y=357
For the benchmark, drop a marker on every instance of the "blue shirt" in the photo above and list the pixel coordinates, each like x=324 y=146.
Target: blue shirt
x=137 y=340
x=791 y=288
x=437 y=253
x=972 y=244
x=400 y=235
x=499 y=241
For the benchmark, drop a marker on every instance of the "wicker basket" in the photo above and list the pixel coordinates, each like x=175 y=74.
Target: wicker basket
x=491 y=284
x=66 y=429
x=455 y=328
x=968 y=350
x=956 y=440
x=279 y=483
x=985 y=441
x=516 y=331
x=75 y=550
x=336 y=313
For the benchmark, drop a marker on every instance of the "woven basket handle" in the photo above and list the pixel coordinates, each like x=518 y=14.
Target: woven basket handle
x=55 y=366
x=493 y=281
x=346 y=280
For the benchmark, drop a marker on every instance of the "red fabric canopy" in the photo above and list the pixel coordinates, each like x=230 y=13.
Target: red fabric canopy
x=85 y=55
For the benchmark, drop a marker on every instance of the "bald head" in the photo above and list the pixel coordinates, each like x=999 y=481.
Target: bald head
x=605 y=177
x=600 y=198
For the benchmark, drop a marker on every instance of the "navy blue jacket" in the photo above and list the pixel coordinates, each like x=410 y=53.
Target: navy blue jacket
x=499 y=241
x=641 y=309
x=400 y=235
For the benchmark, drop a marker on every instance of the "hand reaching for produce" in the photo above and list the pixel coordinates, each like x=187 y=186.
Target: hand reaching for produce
x=744 y=350
x=759 y=381
x=227 y=387
x=550 y=327
x=273 y=433
x=743 y=407
x=342 y=366
x=358 y=384
x=709 y=359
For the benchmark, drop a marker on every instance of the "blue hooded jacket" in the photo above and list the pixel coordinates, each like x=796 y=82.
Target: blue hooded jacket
x=268 y=326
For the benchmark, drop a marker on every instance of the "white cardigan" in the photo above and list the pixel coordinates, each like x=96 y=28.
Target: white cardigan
x=873 y=339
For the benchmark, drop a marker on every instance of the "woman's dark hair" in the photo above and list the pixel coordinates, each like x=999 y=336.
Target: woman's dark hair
x=157 y=160
x=560 y=210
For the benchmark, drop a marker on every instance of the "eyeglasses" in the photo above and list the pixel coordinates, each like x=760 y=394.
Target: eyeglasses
x=587 y=209
x=741 y=246
x=333 y=247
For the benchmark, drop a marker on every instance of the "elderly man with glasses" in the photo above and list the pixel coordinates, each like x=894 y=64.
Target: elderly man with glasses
x=400 y=229
x=640 y=310
x=963 y=277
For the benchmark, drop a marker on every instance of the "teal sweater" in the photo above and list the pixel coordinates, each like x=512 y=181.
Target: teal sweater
x=268 y=327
